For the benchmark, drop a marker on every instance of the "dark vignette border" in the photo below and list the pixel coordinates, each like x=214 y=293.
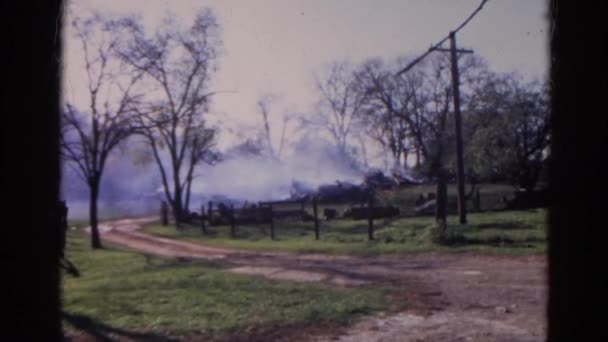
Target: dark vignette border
x=30 y=183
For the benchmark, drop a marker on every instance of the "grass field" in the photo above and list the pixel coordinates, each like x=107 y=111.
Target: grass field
x=131 y=294
x=511 y=232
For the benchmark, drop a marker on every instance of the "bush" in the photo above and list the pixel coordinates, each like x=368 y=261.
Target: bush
x=394 y=235
x=443 y=234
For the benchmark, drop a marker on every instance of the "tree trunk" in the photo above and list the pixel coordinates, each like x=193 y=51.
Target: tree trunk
x=210 y=213
x=271 y=223
x=189 y=185
x=316 y=217
x=528 y=178
x=164 y=213
x=370 y=217
x=232 y=223
x=93 y=221
x=203 y=218
x=477 y=200
x=187 y=200
x=178 y=210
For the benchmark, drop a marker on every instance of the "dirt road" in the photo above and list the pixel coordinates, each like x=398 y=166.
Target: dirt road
x=445 y=296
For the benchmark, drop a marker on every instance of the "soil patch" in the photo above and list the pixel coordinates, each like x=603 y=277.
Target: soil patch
x=441 y=296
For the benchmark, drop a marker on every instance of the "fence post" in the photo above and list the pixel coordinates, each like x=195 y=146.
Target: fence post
x=210 y=213
x=164 y=213
x=271 y=223
x=203 y=226
x=232 y=228
x=441 y=200
x=370 y=217
x=64 y=224
x=316 y=217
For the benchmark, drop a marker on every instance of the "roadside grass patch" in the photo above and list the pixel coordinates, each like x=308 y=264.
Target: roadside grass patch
x=135 y=292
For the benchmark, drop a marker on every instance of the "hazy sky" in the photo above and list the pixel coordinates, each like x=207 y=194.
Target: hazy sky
x=274 y=46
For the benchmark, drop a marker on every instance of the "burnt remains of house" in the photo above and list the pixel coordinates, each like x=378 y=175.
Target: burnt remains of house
x=362 y=213
x=378 y=180
x=330 y=214
x=342 y=192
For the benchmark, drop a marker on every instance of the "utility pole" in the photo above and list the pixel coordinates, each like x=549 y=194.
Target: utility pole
x=462 y=205
x=455 y=87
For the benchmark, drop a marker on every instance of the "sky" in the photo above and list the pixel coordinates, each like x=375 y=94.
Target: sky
x=276 y=46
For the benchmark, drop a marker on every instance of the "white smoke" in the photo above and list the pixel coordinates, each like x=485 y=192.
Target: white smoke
x=129 y=189
x=258 y=178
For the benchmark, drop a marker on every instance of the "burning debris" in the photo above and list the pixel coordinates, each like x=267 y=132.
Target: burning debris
x=342 y=192
x=377 y=180
x=224 y=210
x=304 y=199
x=299 y=190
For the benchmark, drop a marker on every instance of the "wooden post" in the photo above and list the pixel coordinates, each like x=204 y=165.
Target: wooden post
x=370 y=217
x=203 y=226
x=210 y=213
x=316 y=217
x=441 y=199
x=462 y=206
x=271 y=224
x=232 y=223
x=164 y=213
x=477 y=200
x=63 y=211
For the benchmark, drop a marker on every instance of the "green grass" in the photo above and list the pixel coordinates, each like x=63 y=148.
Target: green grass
x=78 y=223
x=511 y=232
x=125 y=291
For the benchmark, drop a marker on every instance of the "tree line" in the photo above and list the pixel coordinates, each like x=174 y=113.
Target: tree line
x=506 y=123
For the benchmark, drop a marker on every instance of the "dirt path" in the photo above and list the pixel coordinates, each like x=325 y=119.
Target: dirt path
x=446 y=296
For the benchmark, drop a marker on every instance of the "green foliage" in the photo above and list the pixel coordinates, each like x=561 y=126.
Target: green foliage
x=508 y=130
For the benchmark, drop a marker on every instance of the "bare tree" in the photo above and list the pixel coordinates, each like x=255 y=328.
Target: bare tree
x=178 y=64
x=264 y=108
x=90 y=135
x=388 y=108
x=431 y=99
x=433 y=105
x=409 y=113
x=264 y=104
x=339 y=106
x=200 y=144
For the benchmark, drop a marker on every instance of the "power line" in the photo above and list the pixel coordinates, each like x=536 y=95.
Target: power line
x=470 y=17
x=436 y=46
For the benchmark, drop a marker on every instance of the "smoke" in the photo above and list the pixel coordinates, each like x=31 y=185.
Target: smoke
x=258 y=178
x=111 y=209
x=127 y=189
x=135 y=189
